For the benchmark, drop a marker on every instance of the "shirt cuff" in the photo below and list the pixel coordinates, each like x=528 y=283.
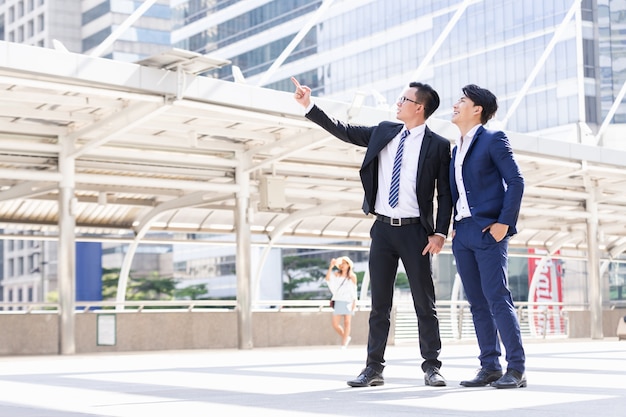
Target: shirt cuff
x=309 y=107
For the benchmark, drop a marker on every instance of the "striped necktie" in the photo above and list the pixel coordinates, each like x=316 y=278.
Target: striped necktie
x=394 y=191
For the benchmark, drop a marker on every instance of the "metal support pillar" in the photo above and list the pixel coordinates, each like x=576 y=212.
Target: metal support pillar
x=593 y=264
x=243 y=262
x=66 y=269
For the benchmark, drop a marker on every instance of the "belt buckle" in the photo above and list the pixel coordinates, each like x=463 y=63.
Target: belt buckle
x=395 y=222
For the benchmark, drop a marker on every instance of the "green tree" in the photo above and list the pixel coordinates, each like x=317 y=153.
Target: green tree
x=153 y=287
x=402 y=281
x=110 y=278
x=297 y=271
x=192 y=292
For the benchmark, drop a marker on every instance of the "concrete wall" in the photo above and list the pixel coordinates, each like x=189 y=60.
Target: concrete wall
x=29 y=334
x=579 y=323
x=38 y=334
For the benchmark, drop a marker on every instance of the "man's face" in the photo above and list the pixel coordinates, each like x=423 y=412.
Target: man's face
x=407 y=105
x=465 y=111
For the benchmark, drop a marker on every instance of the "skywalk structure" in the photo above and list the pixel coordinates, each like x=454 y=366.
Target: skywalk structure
x=93 y=149
x=100 y=150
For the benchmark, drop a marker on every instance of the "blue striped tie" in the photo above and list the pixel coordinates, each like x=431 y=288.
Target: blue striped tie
x=394 y=191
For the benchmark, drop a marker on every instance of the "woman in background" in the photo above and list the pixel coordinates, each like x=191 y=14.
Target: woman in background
x=342 y=284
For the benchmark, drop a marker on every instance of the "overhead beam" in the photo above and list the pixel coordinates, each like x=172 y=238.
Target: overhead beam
x=425 y=62
x=111 y=127
x=27 y=190
x=607 y=120
x=101 y=49
x=558 y=34
x=319 y=13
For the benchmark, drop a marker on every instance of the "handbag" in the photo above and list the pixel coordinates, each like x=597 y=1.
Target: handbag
x=332 y=302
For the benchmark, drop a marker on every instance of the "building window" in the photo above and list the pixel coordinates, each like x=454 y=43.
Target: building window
x=20 y=266
x=31 y=263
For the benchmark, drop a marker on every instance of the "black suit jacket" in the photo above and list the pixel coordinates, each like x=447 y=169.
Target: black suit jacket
x=433 y=169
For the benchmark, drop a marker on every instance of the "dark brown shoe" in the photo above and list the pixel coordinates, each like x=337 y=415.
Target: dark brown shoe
x=483 y=378
x=368 y=378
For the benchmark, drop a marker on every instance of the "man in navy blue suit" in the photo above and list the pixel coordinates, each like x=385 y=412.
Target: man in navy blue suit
x=487 y=188
x=402 y=201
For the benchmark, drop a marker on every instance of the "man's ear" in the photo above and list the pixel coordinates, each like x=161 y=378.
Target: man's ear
x=478 y=110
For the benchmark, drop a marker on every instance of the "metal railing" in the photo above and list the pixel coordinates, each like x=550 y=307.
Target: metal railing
x=536 y=319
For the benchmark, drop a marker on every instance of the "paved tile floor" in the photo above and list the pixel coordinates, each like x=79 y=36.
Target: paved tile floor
x=565 y=378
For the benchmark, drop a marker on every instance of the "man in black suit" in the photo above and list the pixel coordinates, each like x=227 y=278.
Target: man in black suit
x=404 y=227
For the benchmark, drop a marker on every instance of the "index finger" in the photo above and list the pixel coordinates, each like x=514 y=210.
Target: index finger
x=296 y=83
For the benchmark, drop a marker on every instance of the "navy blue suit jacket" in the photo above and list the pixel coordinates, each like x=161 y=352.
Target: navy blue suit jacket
x=493 y=182
x=432 y=168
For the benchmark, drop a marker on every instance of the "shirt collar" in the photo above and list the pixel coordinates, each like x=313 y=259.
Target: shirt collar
x=470 y=135
x=417 y=130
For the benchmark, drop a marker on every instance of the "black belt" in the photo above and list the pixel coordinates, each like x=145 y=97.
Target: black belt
x=397 y=222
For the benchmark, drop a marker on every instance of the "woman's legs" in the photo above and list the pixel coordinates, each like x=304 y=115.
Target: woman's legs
x=337 y=325
x=347 y=326
x=343 y=331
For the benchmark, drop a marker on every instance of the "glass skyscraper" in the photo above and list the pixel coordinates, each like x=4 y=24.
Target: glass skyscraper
x=554 y=64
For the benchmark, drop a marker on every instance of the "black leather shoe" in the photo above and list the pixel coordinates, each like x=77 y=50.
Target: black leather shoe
x=433 y=378
x=367 y=378
x=512 y=379
x=483 y=377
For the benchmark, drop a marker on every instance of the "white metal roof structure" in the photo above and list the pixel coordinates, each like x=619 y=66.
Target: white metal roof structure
x=90 y=146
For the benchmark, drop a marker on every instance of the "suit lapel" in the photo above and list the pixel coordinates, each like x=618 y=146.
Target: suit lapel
x=480 y=130
x=379 y=143
x=426 y=142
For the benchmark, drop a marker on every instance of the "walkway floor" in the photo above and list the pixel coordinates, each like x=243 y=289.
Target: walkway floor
x=566 y=378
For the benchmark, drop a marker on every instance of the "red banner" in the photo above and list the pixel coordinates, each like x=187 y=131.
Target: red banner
x=547 y=320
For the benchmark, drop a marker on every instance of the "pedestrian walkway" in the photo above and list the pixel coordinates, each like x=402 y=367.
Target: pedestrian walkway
x=565 y=378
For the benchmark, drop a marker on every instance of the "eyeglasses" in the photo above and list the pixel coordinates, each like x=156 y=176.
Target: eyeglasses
x=402 y=99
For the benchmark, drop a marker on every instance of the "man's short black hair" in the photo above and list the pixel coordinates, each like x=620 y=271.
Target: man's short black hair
x=427 y=96
x=484 y=98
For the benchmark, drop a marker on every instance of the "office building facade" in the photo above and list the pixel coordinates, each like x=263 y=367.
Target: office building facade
x=82 y=26
x=557 y=66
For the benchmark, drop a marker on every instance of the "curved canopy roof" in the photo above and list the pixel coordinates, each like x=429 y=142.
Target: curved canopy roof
x=156 y=147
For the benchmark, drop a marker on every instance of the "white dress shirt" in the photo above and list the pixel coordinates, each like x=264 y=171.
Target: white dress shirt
x=407 y=203
x=462 y=206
